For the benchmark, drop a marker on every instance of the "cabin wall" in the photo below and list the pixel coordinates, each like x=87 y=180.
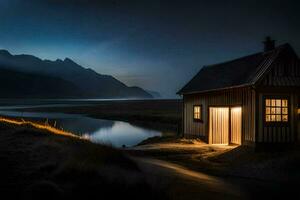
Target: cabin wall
x=282 y=132
x=298 y=118
x=244 y=97
x=285 y=72
x=282 y=80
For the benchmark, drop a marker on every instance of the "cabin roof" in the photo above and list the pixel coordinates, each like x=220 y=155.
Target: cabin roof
x=244 y=71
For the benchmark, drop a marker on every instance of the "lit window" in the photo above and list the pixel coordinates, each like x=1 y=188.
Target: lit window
x=276 y=110
x=197 y=112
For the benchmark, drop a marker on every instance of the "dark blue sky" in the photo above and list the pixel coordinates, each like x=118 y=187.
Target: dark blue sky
x=158 y=45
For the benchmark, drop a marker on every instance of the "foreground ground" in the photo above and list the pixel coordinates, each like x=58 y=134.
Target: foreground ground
x=40 y=165
x=36 y=164
x=223 y=160
x=273 y=173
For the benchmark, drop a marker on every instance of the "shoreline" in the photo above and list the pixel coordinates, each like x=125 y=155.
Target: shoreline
x=162 y=115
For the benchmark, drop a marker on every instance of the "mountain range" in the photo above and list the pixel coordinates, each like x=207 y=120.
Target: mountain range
x=26 y=76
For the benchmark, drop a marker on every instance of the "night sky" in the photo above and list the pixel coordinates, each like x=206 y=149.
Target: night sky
x=158 y=45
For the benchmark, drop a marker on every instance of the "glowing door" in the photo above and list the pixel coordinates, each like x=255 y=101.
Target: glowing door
x=219 y=125
x=236 y=125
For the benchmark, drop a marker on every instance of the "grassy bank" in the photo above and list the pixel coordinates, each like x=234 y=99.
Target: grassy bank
x=37 y=164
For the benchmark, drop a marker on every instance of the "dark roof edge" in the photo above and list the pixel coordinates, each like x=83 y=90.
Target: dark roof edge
x=215 y=90
x=253 y=82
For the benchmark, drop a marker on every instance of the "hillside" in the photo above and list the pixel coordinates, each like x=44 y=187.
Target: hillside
x=38 y=164
x=14 y=84
x=88 y=83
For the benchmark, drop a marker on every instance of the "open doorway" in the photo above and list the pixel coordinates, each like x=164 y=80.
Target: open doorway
x=225 y=125
x=236 y=125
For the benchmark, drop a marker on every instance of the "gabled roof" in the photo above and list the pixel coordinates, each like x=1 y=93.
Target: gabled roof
x=240 y=72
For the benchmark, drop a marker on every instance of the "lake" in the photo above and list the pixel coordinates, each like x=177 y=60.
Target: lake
x=115 y=133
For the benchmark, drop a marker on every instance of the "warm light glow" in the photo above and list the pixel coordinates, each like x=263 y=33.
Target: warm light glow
x=236 y=125
x=219 y=125
x=236 y=110
x=197 y=112
x=276 y=110
x=46 y=127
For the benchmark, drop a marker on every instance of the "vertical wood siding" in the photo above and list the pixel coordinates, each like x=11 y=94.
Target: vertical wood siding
x=298 y=117
x=244 y=97
x=236 y=125
x=218 y=125
x=283 y=79
x=278 y=133
x=284 y=72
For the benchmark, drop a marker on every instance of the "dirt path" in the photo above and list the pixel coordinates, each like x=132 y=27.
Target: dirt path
x=183 y=183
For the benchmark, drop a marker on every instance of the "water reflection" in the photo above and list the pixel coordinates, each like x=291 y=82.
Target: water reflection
x=122 y=133
x=110 y=132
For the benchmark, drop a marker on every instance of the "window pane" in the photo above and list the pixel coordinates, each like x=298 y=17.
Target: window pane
x=197 y=111
x=284 y=118
x=278 y=118
x=284 y=102
x=273 y=118
x=268 y=118
x=284 y=110
x=278 y=102
x=278 y=110
x=273 y=102
x=273 y=110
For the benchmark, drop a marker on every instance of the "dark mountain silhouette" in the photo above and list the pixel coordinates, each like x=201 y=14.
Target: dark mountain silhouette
x=154 y=94
x=14 y=84
x=88 y=83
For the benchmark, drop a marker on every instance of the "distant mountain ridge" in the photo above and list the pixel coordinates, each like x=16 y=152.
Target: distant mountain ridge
x=154 y=94
x=86 y=82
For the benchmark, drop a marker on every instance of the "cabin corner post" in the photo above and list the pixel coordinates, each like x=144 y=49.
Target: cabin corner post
x=256 y=117
x=229 y=125
x=182 y=117
x=298 y=116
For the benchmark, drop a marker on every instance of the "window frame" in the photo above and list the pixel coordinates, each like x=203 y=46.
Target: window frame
x=200 y=112
x=276 y=123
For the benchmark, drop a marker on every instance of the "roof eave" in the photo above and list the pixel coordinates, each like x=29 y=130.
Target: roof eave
x=216 y=90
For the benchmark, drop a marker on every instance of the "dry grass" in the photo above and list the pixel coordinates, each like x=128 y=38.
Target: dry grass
x=38 y=164
x=43 y=127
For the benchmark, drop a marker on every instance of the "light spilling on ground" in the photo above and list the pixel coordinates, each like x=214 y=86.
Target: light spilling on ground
x=45 y=127
x=298 y=110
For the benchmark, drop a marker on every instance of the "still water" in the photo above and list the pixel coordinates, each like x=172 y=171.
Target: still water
x=115 y=133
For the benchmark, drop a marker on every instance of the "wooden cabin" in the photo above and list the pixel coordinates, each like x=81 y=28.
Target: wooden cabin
x=247 y=101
